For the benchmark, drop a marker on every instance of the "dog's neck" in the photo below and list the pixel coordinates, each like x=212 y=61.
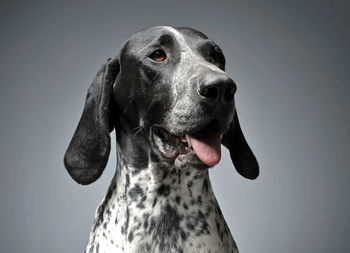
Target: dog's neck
x=164 y=185
x=159 y=208
x=140 y=176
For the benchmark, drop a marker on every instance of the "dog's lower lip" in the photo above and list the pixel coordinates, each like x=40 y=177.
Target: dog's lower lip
x=178 y=147
x=170 y=145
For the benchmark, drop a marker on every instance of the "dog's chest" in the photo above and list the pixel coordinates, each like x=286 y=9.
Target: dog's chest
x=166 y=217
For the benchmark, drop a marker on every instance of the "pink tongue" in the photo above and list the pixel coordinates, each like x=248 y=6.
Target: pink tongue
x=207 y=146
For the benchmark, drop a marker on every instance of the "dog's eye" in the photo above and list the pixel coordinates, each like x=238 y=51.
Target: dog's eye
x=158 y=55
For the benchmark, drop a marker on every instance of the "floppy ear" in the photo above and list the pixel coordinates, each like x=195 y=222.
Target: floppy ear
x=88 y=151
x=240 y=153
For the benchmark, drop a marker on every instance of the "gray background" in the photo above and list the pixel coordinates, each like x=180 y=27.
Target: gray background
x=290 y=60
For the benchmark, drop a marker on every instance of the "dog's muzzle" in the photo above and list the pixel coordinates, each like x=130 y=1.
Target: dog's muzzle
x=204 y=144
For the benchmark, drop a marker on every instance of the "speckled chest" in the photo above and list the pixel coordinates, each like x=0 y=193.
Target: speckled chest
x=160 y=210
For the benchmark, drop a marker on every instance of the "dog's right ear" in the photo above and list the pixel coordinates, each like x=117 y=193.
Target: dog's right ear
x=88 y=151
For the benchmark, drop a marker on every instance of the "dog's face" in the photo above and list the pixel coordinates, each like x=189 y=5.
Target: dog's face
x=172 y=100
x=172 y=84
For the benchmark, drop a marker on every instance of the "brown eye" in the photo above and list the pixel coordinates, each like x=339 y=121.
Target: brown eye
x=158 y=55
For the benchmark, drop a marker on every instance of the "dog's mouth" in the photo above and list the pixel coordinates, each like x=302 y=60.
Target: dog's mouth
x=204 y=144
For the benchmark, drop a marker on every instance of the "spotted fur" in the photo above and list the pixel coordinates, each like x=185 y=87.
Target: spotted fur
x=158 y=201
x=160 y=209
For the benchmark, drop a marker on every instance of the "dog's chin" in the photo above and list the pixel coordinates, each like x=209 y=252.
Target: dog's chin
x=190 y=160
x=199 y=150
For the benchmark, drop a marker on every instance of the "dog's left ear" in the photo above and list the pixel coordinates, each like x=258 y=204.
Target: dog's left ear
x=88 y=151
x=240 y=153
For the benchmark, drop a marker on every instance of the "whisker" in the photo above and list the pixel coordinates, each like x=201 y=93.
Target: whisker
x=138 y=131
x=127 y=105
x=136 y=128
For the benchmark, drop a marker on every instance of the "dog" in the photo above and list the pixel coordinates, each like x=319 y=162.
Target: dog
x=171 y=104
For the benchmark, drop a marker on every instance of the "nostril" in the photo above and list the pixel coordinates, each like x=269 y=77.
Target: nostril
x=217 y=88
x=210 y=92
x=229 y=93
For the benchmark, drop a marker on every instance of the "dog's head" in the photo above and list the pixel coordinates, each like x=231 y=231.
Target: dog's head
x=170 y=101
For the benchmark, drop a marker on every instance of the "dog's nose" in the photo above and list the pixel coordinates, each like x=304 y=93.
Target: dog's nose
x=217 y=88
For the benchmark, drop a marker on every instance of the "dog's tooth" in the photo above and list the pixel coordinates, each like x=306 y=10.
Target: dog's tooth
x=188 y=141
x=221 y=136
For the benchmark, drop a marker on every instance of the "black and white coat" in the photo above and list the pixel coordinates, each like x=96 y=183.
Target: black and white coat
x=167 y=86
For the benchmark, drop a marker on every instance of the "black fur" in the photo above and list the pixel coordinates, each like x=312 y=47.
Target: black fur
x=158 y=203
x=87 y=154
